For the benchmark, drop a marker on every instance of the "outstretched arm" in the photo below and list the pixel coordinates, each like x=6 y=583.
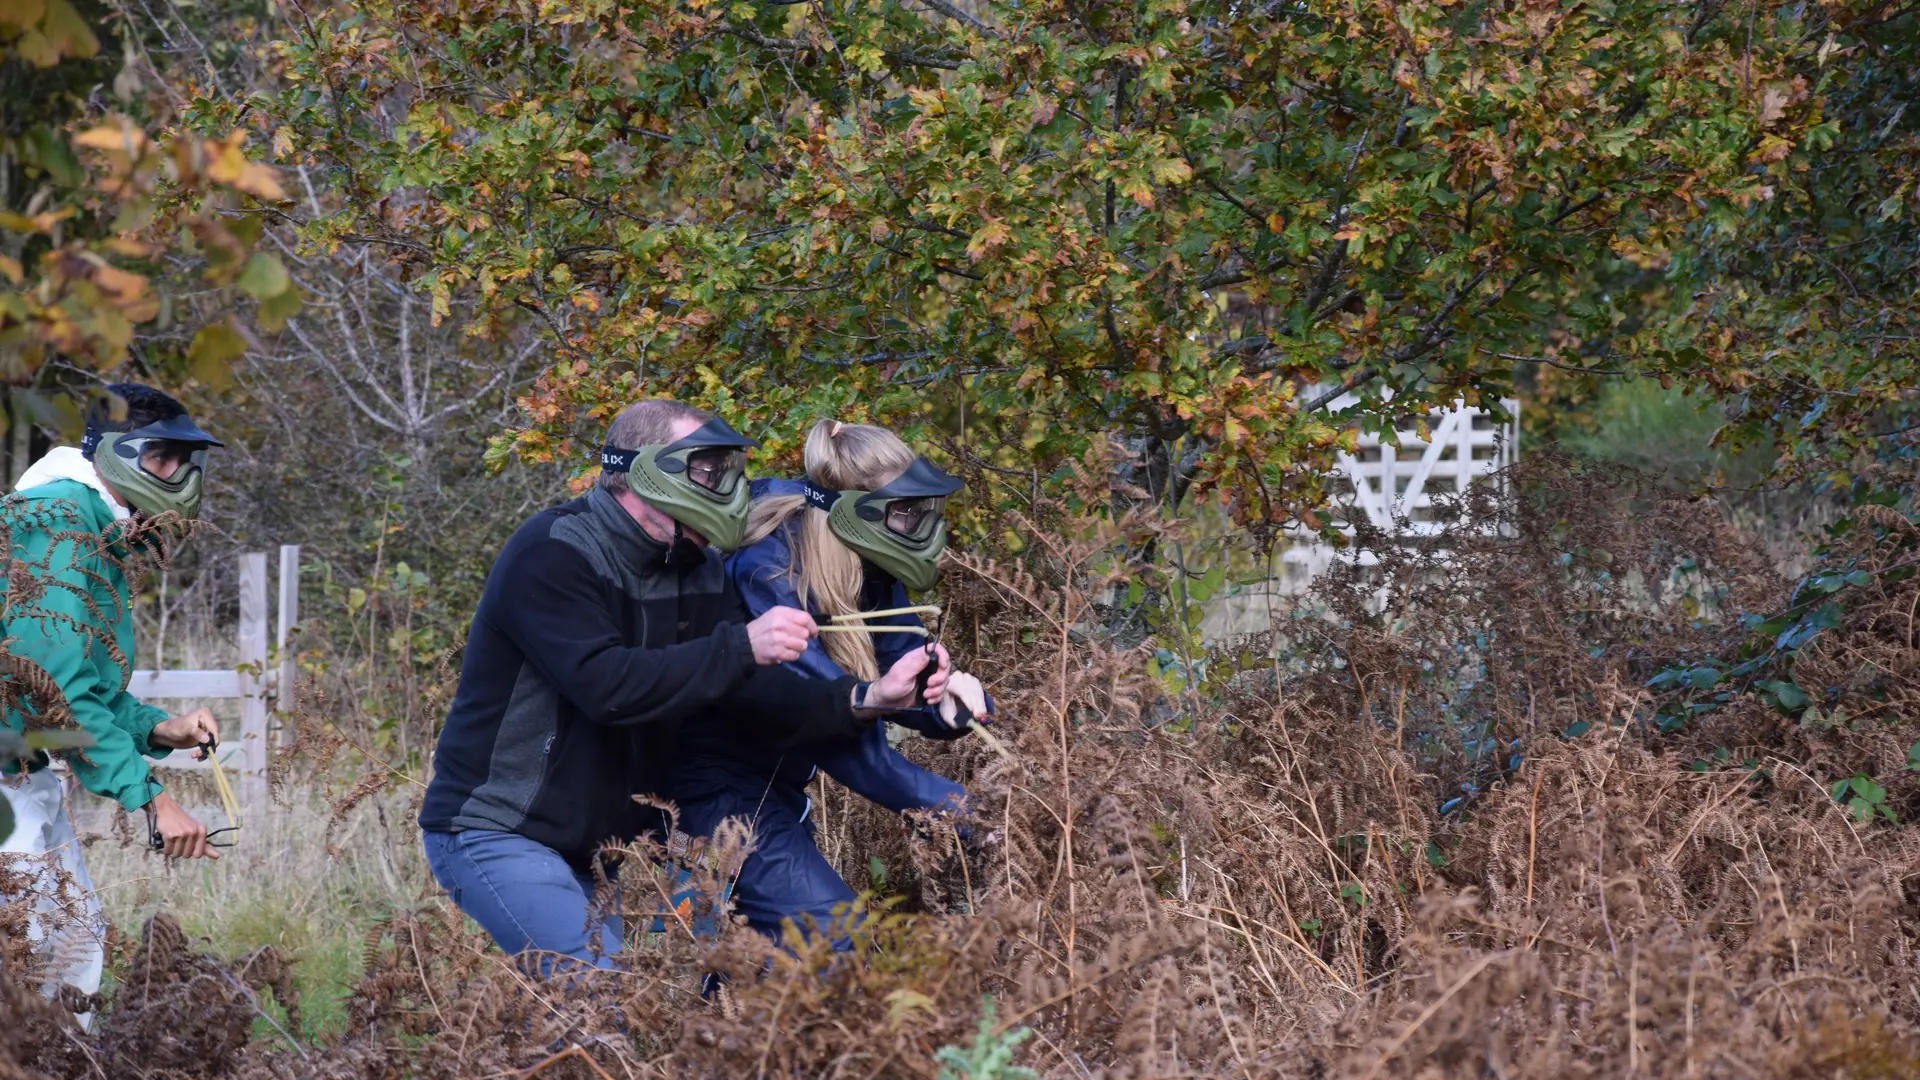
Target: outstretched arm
x=548 y=601
x=877 y=772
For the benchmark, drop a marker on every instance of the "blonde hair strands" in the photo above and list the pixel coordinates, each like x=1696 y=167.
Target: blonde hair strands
x=827 y=573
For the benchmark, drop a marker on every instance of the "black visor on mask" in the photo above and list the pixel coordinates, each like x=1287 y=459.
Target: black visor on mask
x=910 y=504
x=713 y=456
x=714 y=433
x=180 y=429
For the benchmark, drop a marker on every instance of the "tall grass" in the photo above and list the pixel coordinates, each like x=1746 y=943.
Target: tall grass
x=280 y=886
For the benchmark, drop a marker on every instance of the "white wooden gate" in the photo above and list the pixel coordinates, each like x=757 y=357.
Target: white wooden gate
x=251 y=680
x=1394 y=486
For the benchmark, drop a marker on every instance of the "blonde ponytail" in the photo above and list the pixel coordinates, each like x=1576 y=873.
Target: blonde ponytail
x=827 y=573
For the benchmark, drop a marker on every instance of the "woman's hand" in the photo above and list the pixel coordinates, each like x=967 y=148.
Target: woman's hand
x=780 y=635
x=963 y=689
x=186 y=732
x=181 y=836
x=895 y=690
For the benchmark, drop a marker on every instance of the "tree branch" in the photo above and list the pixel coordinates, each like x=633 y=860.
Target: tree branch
x=957 y=15
x=1551 y=362
x=1354 y=378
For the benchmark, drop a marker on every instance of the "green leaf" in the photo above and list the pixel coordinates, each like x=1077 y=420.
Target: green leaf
x=48 y=150
x=264 y=277
x=1200 y=591
x=1704 y=678
x=212 y=349
x=276 y=310
x=1785 y=694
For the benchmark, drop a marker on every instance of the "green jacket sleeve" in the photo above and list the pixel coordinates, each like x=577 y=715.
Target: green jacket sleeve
x=57 y=631
x=137 y=719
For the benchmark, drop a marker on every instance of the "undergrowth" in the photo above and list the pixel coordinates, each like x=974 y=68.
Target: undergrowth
x=1474 y=826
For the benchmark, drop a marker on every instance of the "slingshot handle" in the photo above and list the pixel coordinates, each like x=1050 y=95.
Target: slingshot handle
x=962 y=715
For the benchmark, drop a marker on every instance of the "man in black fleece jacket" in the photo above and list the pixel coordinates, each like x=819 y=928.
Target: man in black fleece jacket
x=607 y=623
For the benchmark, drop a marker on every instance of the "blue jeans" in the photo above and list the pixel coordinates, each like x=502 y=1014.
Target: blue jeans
x=525 y=896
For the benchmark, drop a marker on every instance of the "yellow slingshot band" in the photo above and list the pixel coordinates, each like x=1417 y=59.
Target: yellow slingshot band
x=861 y=616
x=227 y=802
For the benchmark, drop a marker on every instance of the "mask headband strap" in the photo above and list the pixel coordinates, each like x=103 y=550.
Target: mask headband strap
x=820 y=498
x=614 y=459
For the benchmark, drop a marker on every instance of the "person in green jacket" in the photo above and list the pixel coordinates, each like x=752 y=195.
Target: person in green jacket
x=70 y=524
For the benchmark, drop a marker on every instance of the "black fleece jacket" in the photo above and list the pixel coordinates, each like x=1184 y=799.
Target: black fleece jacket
x=586 y=655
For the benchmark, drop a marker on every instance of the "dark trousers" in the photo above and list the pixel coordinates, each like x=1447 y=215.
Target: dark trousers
x=786 y=877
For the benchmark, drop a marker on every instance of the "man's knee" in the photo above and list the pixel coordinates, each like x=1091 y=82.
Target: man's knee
x=523 y=894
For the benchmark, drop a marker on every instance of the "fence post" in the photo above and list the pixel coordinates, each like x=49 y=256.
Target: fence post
x=253 y=680
x=288 y=616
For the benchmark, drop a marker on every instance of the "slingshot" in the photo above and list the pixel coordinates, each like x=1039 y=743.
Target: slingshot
x=228 y=803
x=854 y=623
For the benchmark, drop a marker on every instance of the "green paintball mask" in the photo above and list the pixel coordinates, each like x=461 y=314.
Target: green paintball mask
x=157 y=469
x=901 y=527
x=698 y=481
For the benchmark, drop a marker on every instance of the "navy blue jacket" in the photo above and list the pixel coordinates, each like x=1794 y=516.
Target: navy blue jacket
x=865 y=763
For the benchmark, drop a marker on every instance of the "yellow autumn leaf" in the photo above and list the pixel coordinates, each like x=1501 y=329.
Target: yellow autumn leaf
x=142 y=310
x=1172 y=171
x=902 y=1004
x=22 y=13
x=225 y=162
x=987 y=237
x=229 y=165
x=12 y=270
x=125 y=285
x=67 y=32
x=35 y=49
x=119 y=134
x=260 y=181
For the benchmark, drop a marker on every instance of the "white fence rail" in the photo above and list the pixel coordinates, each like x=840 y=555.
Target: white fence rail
x=1394 y=486
x=251 y=681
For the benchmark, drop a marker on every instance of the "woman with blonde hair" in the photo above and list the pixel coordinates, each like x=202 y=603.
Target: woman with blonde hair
x=863 y=527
